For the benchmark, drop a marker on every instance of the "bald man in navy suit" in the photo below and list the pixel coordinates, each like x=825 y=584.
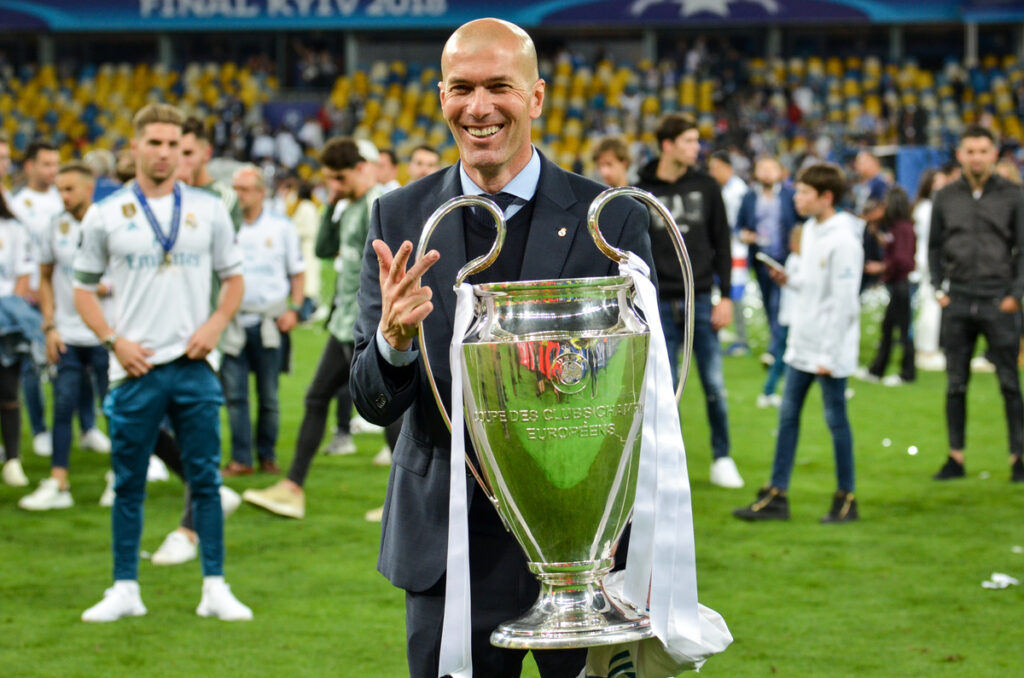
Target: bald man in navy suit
x=490 y=93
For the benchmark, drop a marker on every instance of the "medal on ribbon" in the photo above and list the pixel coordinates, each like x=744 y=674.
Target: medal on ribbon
x=166 y=241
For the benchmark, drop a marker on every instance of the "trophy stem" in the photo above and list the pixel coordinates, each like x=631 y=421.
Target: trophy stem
x=573 y=610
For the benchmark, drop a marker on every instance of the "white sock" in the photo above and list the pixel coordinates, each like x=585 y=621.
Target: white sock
x=213 y=580
x=127 y=585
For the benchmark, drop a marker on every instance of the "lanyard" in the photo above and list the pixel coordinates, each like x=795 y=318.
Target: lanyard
x=166 y=241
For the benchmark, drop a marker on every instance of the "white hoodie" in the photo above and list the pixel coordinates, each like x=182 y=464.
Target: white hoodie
x=824 y=329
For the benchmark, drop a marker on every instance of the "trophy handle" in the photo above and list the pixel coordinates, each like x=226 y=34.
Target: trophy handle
x=472 y=267
x=621 y=256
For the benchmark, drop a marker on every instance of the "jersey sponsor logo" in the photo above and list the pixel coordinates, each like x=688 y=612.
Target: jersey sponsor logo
x=128 y=210
x=140 y=262
x=64 y=227
x=131 y=226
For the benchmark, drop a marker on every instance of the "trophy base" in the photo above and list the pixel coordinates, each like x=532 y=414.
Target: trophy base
x=572 y=611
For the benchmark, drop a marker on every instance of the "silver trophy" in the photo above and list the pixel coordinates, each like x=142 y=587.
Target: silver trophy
x=553 y=383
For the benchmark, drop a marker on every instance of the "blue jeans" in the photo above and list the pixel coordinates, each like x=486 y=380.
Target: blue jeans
x=188 y=392
x=833 y=392
x=77 y=367
x=778 y=367
x=770 y=294
x=234 y=375
x=35 y=404
x=708 y=354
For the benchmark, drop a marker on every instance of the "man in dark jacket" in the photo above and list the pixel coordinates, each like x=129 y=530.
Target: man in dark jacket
x=977 y=262
x=695 y=201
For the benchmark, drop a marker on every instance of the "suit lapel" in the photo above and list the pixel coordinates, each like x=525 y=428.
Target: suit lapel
x=552 y=228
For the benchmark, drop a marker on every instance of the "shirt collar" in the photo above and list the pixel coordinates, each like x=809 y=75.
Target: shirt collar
x=523 y=185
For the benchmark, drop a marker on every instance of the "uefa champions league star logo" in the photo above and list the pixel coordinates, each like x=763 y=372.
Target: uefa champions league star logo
x=688 y=8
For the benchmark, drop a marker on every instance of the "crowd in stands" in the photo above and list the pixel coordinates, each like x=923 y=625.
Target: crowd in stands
x=793 y=108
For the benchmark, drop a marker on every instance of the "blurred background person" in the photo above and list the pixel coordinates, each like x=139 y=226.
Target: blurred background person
x=896 y=235
x=926 y=324
x=424 y=160
x=34 y=205
x=612 y=158
x=733 y=190
x=71 y=347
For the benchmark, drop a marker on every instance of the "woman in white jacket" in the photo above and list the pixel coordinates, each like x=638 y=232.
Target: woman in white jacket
x=824 y=338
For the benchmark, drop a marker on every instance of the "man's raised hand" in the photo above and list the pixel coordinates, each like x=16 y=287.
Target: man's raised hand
x=404 y=303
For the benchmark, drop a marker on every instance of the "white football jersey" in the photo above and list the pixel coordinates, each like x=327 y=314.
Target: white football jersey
x=35 y=210
x=158 y=304
x=15 y=260
x=58 y=247
x=270 y=256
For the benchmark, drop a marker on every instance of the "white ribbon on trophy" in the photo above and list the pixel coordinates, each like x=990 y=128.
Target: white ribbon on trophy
x=661 y=570
x=456 y=657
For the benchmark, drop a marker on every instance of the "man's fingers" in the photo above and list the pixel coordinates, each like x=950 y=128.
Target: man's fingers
x=423 y=265
x=400 y=260
x=414 y=317
x=384 y=257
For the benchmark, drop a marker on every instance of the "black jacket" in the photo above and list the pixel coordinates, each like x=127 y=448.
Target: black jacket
x=975 y=245
x=695 y=201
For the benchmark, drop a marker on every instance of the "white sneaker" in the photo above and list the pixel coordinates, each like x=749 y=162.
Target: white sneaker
x=219 y=602
x=359 y=425
x=341 y=443
x=892 y=380
x=775 y=400
x=107 y=498
x=982 y=364
x=157 y=471
x=94 y=440
x=120 y=600
x=229 y=500
x=42 y=444
x=725 y=474
x=382 y=458
x=764 y=401
x=374 y=515
x=863 y=374
x=13 y=474
x=176 y=549
x=46 y=497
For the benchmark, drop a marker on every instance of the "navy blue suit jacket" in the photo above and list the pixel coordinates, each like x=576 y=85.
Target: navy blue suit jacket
x=414 y=530
x=746 y=218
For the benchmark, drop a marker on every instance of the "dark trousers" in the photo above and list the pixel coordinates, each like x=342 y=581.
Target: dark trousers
x=77 y=368
x=501 y=588
x=963 y=321
x=897 y=317
x=331 y=374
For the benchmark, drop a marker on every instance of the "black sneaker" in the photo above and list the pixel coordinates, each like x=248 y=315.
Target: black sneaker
x=771 y=504
x=951 y=469
x=1017 y=471
x=844 y=508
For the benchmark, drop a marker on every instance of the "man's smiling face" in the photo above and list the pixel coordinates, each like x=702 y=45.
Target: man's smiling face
x=489 y=95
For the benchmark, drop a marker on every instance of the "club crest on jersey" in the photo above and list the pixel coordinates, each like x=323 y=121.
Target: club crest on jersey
x=190 y=220
x=270 y=243
x=28 y=202
x=64 y=227
x=128 y=210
